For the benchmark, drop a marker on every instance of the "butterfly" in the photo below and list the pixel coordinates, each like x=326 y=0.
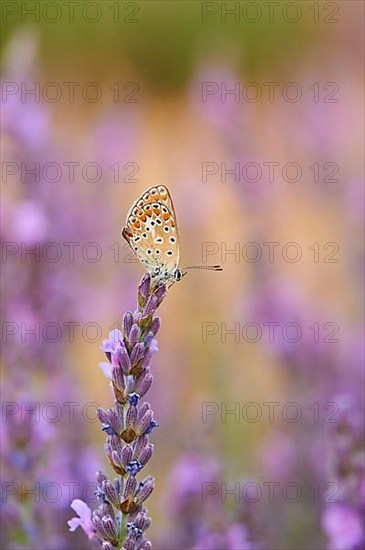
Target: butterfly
x=151 y=232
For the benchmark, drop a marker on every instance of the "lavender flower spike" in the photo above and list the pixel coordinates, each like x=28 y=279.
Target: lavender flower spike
x=121 y=519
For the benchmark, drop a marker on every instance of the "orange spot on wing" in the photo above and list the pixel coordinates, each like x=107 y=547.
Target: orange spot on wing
x=165 y=216
x=136 y=224
x=157 y=211
x=143 y=217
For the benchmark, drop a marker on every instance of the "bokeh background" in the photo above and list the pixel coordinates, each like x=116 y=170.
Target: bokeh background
x=144 y=120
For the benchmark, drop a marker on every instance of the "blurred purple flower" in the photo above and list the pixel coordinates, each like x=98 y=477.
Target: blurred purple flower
x=343 y=522
x=36 y=292
x=201 y=524
x=344 y=527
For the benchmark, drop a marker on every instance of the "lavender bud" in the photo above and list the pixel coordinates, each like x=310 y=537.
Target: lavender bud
x=126 y=455
x=130 y=384
x=137 y=353
x=130 y=487
x=100 y=477
x=148 y=355
x=102 y=415
x=119 y=408
x=107 y=546
x=110 y=493
x=108 y=450
x=131 y=417
x=98 y=525
x=115 y=444
x=145 y=490
x=124 y=360
x=140 y=444
x=106 y=509
x=143 y=409
x=129 y=544
x=146 y=545
x=155 y=326
x=133 y=335
x=118 y=378
x=137 y=317
x=115 y=421
x=110 y=528
x=113 y=449
x=151 y=306
x=146 y=454
x=144 y=384
x=160 y=293
x=116 y=460
x=148 y=339
x=127 y=323
x=145 y=421
x=142 y=521
x=118 y=485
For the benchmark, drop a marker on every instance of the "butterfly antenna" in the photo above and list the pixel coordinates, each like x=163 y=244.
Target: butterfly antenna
x=209 y=267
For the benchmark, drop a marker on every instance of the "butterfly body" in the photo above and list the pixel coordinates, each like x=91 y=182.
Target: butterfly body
x=151 y=232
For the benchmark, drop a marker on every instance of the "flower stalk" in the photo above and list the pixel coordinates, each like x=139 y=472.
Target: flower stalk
x=121 y=519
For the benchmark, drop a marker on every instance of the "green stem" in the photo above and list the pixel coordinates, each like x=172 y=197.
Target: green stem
x=123 y=517
x=123 y=529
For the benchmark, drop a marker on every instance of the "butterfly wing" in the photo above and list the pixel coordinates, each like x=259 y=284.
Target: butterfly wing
x=151 y=230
